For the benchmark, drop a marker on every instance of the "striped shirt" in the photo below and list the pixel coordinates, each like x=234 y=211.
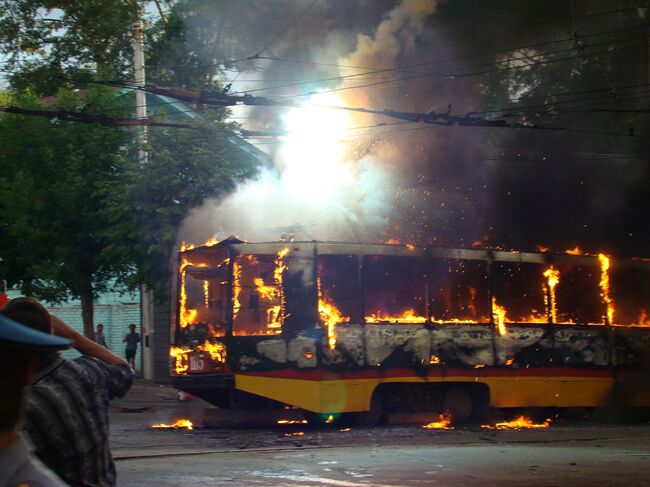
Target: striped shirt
x=67 y=417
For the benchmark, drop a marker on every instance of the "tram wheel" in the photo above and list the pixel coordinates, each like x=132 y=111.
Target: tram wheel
x=457 y=402
x=368 y=419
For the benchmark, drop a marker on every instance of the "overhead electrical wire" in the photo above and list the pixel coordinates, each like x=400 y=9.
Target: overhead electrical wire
x=278 y=35
x=410 y=67
x=610 y=91
x=594 y=14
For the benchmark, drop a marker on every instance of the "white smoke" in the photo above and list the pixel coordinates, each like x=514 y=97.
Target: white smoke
x=319 y=188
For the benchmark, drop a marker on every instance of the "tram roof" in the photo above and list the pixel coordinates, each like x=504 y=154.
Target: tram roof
x=401 y=250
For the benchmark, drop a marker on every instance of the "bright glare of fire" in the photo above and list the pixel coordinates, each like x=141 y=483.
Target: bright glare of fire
x=604 y=287
x=574 y=251
x=499 y=314
x=181 y=361
x=552 y=276
x=407 y=316
x=236 y=289
x=296 y=433
x=330 y=315
x=314 y=151
x=292 y=421
x=521 y=422
x=180 y=355
x=180 y=424
x=443 y=423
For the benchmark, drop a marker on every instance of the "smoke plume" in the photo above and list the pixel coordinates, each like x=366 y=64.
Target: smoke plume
x=374 y=186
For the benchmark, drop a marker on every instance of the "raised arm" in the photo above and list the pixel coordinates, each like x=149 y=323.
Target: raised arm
x=84 y=345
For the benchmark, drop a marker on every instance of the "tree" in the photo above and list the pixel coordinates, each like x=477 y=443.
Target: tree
x=82 y=213
x=54 y=180
x=50 y=42
x=184 y=167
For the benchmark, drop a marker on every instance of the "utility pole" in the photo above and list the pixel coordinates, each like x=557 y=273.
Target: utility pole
x=140 y=96
x=146 y=294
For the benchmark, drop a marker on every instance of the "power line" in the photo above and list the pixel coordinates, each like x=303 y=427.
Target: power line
x=410 y=67
x=286 y=28
x=565 y=106
x=274 y=38
x=610 y=91
x=595 y=14
x=447 y=75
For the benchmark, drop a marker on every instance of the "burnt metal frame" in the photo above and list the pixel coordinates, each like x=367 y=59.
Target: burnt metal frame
x=237 y=247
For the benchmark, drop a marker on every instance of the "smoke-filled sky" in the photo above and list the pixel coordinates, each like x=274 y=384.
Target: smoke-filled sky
x=342 y=175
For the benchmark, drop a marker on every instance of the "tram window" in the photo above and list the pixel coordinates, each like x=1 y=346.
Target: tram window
x=205 y=299
x=257 y=295
x=520 y=288
x=339 y=288
x=394 y=289
x=630 y=291
x=459 y=291
x=578 y=295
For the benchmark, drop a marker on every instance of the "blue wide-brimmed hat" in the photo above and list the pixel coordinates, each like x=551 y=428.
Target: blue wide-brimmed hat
x=17 y=335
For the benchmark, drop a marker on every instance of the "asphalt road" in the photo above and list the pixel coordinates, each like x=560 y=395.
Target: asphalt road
x=569 y=453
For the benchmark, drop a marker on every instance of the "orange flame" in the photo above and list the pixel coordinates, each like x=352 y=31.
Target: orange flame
x=574 y=251
x=434 y=360
x=186 y=316
x=521 y=422
x=211 y=241
x=552 y=276
x=274 y=314
x=180 y=424
x=499 y=316
x=330 y=315
x=217 y=351
x=181 y=361
x=407 y=316
x=236 y=290
x=180 y=355
x=206 y=293
x=266 y=292
x=292 y=421
x=443 y=423
x=189 y=246
x=644 y=319
x=604 y=288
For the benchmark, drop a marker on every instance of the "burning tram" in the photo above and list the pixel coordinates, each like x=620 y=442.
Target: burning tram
x=368 y=329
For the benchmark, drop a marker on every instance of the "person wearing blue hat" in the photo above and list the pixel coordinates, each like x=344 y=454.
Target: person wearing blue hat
x=67 y=406
x=20 y=351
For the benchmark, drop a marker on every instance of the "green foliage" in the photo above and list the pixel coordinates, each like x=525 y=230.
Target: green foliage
x=202 y=38
x=52 y=188
x=79 y=211
x=184 y=168
x=49 y=41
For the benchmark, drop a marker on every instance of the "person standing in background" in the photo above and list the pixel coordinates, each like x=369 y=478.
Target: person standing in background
x=100 y=338
x=131 y=339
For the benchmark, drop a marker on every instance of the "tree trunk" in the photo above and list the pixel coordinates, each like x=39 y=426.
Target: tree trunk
x=87 y=313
